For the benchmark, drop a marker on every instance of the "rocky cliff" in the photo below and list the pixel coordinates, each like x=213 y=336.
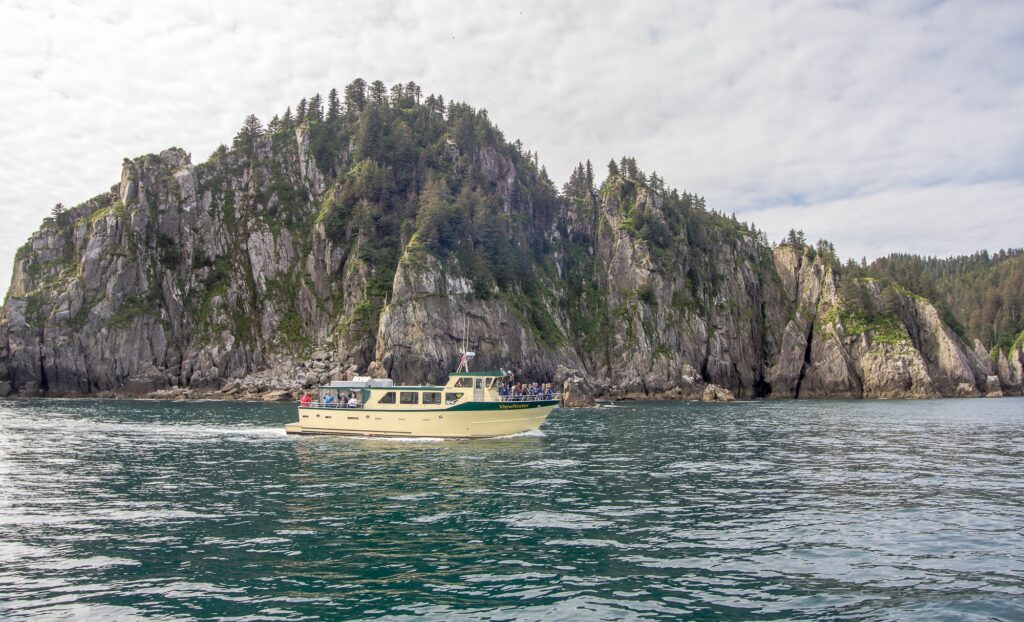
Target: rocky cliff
x=376 y=240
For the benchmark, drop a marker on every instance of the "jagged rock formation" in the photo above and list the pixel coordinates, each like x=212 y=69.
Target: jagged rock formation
x=715 y=393
x=377 y=241
x=903 y=351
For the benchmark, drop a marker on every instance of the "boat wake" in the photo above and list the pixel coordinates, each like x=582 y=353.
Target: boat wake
x=536 y=432
x=84 y=426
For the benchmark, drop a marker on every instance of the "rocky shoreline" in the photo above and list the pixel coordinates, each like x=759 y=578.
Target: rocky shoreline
x=576 y=392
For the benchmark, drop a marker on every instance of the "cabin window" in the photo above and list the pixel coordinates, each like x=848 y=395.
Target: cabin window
x=431 y=398
x=490 y=382
x=389 y=398
x=409 y=397
x=451 y=398
x=464 y=382
x=479 y=383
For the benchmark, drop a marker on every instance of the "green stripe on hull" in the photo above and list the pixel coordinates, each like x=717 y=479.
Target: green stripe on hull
x=503 y=405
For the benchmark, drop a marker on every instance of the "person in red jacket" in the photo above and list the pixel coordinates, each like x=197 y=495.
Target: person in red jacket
x=306 y=399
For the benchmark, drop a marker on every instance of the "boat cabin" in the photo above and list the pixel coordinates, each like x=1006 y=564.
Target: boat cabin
x=376 y=393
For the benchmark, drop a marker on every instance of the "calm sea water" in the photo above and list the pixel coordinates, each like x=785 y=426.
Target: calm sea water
x=765 y=510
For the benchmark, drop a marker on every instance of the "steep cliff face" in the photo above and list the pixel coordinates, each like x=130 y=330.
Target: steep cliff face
x=379 y=241
x=678 y=305
x=634 y=322
x=894 y=347
x=1010 y=371
x=174 y=278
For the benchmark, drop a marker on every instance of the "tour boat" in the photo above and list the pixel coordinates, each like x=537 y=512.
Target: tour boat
x=469 y=405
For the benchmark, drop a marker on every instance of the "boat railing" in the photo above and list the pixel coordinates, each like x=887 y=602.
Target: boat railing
x=338 y=405
x=530 y=398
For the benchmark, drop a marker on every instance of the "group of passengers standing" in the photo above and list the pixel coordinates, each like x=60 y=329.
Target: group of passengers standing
x=517 y=391
x=344 y=400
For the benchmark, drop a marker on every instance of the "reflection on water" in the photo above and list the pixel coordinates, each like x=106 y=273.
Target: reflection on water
x=777 y=510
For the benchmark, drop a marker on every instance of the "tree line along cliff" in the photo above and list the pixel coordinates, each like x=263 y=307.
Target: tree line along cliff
x=371 y=231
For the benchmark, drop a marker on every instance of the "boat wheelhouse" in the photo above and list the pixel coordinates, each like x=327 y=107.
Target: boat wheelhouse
x=469 y=405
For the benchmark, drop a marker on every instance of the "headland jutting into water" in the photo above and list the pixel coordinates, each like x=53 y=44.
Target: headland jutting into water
x=367 y=239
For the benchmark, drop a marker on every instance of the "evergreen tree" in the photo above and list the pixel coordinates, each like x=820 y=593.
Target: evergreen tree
x=287 y=122
x=397 y=95
x=371 y=133
x=315 y=111
x=220 y=152
x=413 y=92
x=333 y=105
x=378 y=94
x=300 y=111
x=892 y=302
x=630 y=170
x=57 y=210
x=246 y=138
x=795 y=239
x=855 y=297
x=439 y=224
x=355 y=97
x=657 y=183
x=576 y=187
x=613 y=168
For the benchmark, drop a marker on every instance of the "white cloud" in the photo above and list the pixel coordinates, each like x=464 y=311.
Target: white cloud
x=940 y=220
x=818 y=107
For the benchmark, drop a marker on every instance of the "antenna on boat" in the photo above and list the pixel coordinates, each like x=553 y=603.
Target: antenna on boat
x=466 y=354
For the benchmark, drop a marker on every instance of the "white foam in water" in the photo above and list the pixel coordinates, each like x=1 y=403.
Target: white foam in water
x=194 y=431
x=552 y=463
x=244 y=431
x=177 y=430
x=536 y=432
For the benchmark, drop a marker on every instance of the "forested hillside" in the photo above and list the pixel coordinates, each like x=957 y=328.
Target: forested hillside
x=370 y=231
x=981 y=295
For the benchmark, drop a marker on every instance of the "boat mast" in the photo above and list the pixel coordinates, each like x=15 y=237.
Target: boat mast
x=466 y=354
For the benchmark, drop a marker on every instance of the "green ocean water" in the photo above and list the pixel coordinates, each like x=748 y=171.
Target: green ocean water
x=858 y=510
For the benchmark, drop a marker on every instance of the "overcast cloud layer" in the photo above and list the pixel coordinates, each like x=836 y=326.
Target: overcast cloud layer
x=890 y=126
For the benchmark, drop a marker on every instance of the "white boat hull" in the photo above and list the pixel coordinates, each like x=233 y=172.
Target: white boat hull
x=470 y=421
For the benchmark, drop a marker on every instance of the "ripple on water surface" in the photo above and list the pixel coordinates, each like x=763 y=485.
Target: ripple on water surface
x=764 y=510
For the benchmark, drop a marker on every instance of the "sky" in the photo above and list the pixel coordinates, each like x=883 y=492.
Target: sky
x=881 y=126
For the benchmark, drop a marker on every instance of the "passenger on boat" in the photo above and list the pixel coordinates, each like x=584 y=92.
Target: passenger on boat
x=328 y=399
x=306 y=399
x=352 y=401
